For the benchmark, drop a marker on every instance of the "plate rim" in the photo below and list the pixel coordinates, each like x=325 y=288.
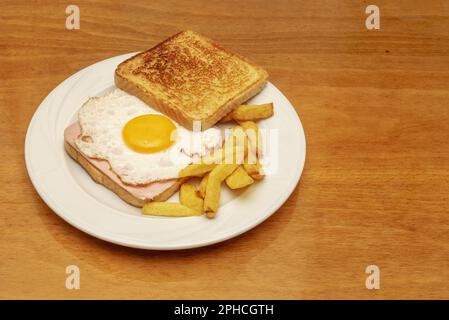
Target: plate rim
x=110 y=237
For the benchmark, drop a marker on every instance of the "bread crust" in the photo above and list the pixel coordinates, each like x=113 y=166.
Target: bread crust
x=178 y=114
x=106 y=181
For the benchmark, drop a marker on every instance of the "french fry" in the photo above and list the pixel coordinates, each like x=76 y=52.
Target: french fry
x=189 y=198
x=196 y=169
x=236 y=155
x=253 y=112
x=252 y=132
x=202 y=187
x=250 y=113
x=239 y=179
x=168 y=209
x=213 y=188
x=212 y=198
x=254 y=170
x=252 y=165
x=221 y=172
x=236 y=146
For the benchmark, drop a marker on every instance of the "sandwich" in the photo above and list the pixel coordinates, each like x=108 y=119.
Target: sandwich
x=132 y=149
x=137 y=139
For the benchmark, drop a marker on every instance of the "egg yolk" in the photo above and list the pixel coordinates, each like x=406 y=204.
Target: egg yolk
x=148 y=133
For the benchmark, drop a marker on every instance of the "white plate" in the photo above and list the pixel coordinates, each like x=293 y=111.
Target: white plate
x=75 y=197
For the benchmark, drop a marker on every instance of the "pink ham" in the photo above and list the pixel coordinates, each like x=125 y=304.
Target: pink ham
x=146 y=192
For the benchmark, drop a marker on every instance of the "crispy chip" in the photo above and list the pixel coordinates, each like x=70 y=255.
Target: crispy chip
x=189 y=198
x=253 y=134
x=196 y=169
x=239 y=179
x=250 y=113
x=213 y=189
x=202 y=187
x=168 y=209
x=254 y=170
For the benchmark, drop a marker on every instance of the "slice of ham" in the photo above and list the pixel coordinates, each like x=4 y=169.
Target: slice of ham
x=146 y=192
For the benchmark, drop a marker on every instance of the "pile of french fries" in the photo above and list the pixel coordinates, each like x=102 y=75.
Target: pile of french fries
x=235 y=164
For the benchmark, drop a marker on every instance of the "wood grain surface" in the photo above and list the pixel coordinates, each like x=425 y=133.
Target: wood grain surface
x=375 y=188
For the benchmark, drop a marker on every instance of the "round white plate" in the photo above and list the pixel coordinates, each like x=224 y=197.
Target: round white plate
x=74 y=196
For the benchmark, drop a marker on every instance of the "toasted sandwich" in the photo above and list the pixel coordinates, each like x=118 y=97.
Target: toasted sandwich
x=100 y=172
x=188 y=77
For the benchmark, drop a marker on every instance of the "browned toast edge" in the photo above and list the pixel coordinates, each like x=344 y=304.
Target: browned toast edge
x=106 y=181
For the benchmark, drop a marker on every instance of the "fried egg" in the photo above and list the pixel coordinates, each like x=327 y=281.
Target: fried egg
x=140 y=144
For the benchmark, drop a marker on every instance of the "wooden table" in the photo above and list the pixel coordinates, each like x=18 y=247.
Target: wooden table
x=375 y=188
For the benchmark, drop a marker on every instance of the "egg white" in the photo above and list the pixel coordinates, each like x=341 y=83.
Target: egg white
x=102 y=120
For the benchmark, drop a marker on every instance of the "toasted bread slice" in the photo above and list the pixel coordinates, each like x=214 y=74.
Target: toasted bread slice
x=100 y=173
x=190 y=78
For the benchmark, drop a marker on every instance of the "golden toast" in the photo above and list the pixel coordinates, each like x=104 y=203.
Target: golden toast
x=190 y=78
